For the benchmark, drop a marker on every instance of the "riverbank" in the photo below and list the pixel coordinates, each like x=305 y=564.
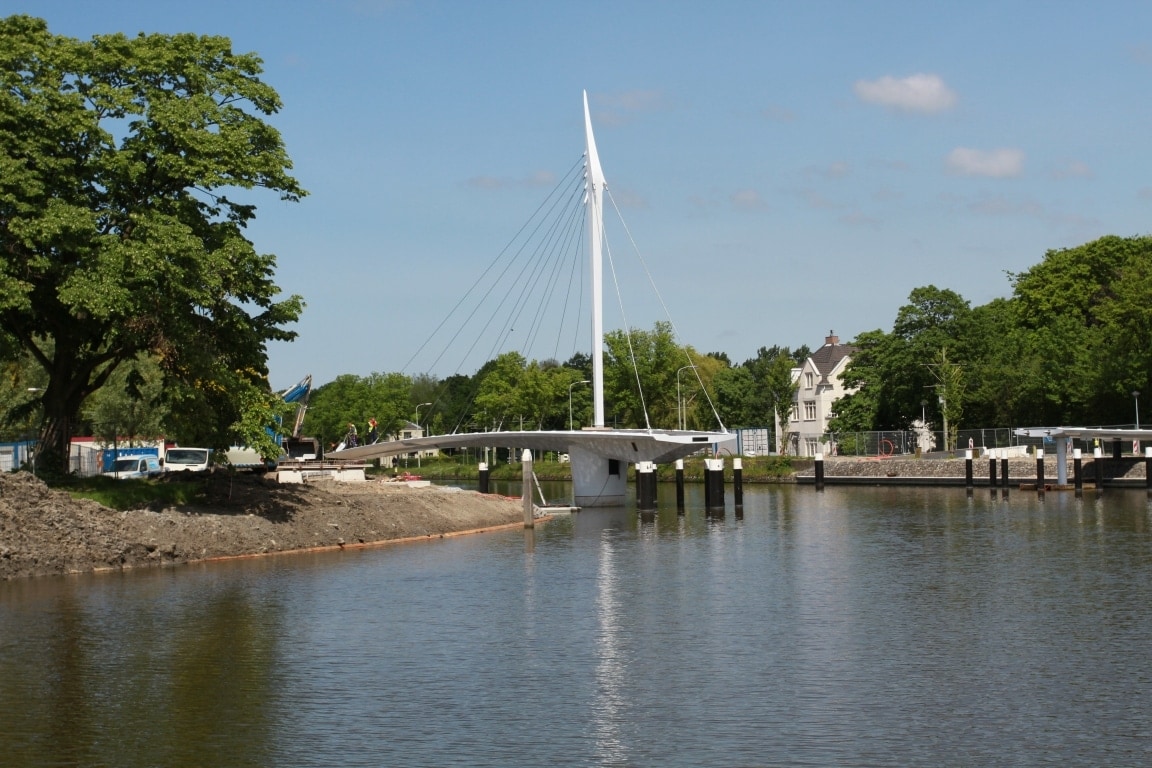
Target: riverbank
x=47 y=532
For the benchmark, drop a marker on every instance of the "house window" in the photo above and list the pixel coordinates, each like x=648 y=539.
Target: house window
x=813 y=445
x=795 y=416
x=407 y=434
x=809 y=410
x=808 y=380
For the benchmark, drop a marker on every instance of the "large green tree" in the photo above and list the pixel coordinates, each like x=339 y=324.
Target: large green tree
x=1085 y=316
x=123 y=167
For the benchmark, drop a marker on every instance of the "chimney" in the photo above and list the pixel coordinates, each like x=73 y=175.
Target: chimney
x=831 y=339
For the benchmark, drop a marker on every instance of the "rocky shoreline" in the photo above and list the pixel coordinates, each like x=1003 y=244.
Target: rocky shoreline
x=949 y=470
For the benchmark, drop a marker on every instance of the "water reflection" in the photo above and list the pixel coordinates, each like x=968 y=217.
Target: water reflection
x=872 y=626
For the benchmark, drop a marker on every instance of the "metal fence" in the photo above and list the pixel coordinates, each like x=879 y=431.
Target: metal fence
x=915 y=441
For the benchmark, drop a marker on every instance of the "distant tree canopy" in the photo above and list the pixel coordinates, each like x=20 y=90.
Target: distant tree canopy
x=1068 y=347
x=120 y=231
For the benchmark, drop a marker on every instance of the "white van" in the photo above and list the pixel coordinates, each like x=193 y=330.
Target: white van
x=187 y=459
x=134 y=467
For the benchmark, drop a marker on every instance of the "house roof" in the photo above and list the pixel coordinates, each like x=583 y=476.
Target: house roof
x=828 y=357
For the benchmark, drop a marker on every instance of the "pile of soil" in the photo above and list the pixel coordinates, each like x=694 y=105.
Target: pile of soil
x=45 y=531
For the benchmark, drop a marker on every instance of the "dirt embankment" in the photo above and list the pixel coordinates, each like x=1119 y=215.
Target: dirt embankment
x=45 y=531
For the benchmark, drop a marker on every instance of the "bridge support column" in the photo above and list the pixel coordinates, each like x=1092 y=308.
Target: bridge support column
x=1062 y=461
x=597 y=481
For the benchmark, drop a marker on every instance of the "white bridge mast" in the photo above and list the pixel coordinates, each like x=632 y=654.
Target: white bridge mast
x=594 y=185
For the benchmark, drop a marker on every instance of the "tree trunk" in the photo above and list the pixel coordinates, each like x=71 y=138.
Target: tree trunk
x=54 y=447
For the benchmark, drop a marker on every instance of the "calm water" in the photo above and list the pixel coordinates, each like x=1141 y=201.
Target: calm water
x=853 y=627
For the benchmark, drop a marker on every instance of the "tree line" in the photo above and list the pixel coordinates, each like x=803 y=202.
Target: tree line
x=1070 y=346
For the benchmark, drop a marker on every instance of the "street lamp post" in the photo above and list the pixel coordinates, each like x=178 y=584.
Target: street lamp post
x=680 y=403
x=418 y=407
x=1136 y=399
x=585 y=381
x=34 y=451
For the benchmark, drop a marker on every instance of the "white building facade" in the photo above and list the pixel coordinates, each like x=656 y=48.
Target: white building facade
x=818 y=388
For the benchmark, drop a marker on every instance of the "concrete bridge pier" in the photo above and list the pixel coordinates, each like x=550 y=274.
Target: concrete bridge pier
x=596 y=481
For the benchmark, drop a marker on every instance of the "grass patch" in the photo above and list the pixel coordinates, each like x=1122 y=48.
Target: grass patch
x=135 y=493
x=756 y=469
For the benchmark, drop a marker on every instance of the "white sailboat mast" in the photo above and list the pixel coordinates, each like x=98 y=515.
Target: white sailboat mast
x=594 y=196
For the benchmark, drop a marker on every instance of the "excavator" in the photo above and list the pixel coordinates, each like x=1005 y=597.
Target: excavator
x=293 y=444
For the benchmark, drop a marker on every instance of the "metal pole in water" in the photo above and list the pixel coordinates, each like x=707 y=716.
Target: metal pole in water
x=1148 y=469
x=1040 y=471
x=1004 y=472
x=1098 y=463
x=680 y=486
x=738 y=483
x=526 y=489
x=992 y=471
x=819 y=471
x=968 y=471
x=714 y=485
x=1077 y=471
x=483 y=477
x=645 y=486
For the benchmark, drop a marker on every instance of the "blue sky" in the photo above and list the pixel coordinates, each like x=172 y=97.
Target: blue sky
x=785 y=169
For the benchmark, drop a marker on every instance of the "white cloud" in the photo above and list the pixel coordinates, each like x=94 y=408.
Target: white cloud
x=835 y=170
x=1073 y=169
x=778 y=114
x=532 y=181
x=915 y=93
x=747 y=200
x=995 y=163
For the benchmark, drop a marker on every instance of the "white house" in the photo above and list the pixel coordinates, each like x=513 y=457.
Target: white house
x=818 y=387
x=408 y=430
